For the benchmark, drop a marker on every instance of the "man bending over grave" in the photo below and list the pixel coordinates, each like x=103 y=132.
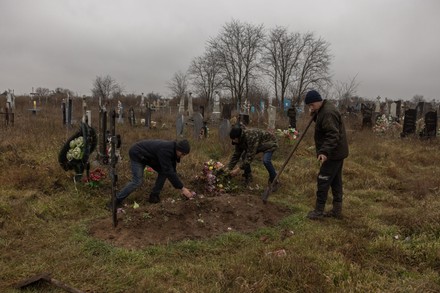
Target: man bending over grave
x=162 y=156
x=248 y=142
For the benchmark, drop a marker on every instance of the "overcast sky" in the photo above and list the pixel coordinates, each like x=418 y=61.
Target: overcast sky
x=392 y=46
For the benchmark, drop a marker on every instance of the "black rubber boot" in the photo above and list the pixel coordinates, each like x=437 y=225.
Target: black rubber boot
x=336 y=211
x=317 y=213
x=154 y=198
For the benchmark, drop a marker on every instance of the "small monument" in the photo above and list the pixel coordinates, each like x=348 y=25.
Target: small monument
x=180 y=122
x=216 y=107
x=190 y=105
x=409 y=122
x=272 y=111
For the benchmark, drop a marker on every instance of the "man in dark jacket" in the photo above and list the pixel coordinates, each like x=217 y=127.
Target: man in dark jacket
x=161 y=156
x=249 y=142
x=331 y=150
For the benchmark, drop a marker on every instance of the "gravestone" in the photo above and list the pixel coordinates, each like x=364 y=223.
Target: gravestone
x=409 y=122
x=420 y=109
x=67 y=111
x=180 y=122
x=148 y=114
x=223 y=130
x=244 y=118
x=131 y=117
x=198 y=124
x=272 y=111
x=377 y=105
x=398 y=109
x=204 y=130
x=182 y=105
x=393 y=110
x=120 y=111
x=291 y=113
x=216 y=107
x=190 y=105
x=430 y=129
x=202 y=110
x=226 y=111
x=367 y=115
x=10 y=100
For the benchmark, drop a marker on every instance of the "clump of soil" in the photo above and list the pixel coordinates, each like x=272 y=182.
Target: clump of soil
x=175 y=220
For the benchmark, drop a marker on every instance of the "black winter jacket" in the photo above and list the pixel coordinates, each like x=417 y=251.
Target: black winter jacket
x=330 y=136
x=159 y=155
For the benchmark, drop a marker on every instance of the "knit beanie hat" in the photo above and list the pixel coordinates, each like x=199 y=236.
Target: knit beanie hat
x=235 y=132
x=312 y=96
x=183 y=146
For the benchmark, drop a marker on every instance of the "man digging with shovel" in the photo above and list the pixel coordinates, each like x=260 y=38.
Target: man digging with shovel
x=331 y=150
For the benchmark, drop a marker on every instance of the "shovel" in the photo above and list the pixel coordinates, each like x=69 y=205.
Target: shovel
x=269 y=188
x=47 y=278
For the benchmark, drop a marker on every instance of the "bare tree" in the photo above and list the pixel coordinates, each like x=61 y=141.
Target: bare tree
x=344 y=91
x=281 y=57
x=105 y=88
x=313 y=71
x=238 y=48
x=42 y=92
x=205 y=72
x=418 y=98
x=179 y=87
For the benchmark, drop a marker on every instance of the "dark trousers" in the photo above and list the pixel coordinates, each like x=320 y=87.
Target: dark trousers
x=330 y=175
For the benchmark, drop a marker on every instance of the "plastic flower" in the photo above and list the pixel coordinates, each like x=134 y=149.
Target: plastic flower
x=95 y=177
x=148 y=171
x=76 y=151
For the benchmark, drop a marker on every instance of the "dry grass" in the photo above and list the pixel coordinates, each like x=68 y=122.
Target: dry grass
x=387 y=242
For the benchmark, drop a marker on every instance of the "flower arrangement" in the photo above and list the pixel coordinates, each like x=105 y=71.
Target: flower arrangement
x=385 y=124
x=148 y=171
x=76 y=151
x=291 y=134
x=95 y=177
x=215 y=180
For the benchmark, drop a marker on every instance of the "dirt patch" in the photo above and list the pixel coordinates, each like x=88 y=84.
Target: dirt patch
x=176 y=220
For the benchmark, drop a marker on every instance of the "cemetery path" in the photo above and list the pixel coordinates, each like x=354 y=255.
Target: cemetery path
x=177 y=220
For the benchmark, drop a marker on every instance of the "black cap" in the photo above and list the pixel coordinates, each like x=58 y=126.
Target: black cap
x=235 y=132
x=312 y=96
x=183 y=146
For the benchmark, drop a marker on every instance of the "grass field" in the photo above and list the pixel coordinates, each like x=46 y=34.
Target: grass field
x=388 y=240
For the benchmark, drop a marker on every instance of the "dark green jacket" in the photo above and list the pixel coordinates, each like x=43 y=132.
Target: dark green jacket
x=330 y=136
x=252 y=141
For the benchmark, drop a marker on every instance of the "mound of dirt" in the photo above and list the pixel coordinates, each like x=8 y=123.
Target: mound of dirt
x=176 y=220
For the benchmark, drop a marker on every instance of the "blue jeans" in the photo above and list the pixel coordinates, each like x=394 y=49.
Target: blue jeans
x=267 y=161
x=137 y=170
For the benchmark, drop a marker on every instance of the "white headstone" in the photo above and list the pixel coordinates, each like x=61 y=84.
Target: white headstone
x=393 y=109
x=272 y=112
x=190 y=105
x=216 y=107
x=10 y=99
x=377 y=109
x=182 y=105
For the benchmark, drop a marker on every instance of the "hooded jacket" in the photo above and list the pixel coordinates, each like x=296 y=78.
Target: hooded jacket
x=159 y=155
x=330 y=136
x=251 y=142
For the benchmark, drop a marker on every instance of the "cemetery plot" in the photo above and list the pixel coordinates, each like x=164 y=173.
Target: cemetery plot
x=176 y=220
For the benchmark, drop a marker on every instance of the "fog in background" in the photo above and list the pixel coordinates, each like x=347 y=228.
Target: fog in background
x=391 y=46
